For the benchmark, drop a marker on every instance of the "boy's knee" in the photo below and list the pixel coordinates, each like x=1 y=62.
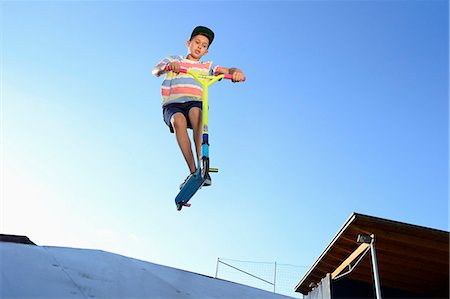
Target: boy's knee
x=178 y=121
x=195 y=114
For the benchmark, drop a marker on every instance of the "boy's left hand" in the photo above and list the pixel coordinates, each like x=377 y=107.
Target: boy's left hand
x=238 y=76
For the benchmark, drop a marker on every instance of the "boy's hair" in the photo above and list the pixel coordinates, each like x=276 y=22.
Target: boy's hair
x=202 y=30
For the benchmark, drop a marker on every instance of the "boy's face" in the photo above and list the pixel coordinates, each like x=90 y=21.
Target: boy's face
x=197 y=46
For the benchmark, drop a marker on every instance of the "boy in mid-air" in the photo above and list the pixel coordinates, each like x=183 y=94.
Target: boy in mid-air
x=182 y=94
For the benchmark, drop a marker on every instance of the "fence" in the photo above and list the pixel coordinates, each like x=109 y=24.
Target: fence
x=269 y=276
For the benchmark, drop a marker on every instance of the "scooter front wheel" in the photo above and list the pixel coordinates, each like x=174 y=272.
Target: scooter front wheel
x=205 y=167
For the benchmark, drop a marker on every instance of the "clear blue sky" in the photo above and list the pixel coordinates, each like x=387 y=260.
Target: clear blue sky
x=345 y=109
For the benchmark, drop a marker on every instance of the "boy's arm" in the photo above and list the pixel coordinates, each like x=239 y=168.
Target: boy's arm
x=159 y=69
x=226 y=70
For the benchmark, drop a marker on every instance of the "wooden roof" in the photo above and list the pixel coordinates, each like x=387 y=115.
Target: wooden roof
x=410 y=257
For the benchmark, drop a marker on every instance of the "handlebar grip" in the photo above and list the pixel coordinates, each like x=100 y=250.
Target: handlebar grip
x=229 y=76
x=182 y=70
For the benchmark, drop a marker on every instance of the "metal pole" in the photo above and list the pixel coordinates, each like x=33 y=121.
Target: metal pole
x=275 y=277
x=217 y=266
x=375 y=267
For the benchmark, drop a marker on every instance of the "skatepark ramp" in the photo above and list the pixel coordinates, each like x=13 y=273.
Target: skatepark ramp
x=30 y=271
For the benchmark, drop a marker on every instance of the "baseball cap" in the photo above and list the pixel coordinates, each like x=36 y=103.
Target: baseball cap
x=203 y=31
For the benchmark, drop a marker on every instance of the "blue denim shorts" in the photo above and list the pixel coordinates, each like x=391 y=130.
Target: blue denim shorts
x=170 y=109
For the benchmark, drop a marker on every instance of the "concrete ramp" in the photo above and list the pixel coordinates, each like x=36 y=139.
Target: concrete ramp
x=29 y=271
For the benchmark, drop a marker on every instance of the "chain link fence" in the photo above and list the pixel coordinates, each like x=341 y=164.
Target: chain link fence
x=269 y=276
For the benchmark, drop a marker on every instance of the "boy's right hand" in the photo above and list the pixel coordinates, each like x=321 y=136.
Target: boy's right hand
x=174 y=66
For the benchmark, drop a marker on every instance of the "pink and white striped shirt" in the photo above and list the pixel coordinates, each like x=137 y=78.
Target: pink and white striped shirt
x=181 y=87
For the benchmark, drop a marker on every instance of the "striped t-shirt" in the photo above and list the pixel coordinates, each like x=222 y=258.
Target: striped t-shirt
x=181 y=87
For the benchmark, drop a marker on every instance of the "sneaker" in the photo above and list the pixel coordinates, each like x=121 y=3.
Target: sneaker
x=185 y=180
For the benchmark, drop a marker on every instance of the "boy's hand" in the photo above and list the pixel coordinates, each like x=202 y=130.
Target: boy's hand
x=238 y=76
x=174 y=66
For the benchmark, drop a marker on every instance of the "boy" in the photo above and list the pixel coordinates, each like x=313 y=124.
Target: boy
x=182 y=94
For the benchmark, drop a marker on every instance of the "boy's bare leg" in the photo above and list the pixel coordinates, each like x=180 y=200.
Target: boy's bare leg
x=179 y=124
x=195 y=117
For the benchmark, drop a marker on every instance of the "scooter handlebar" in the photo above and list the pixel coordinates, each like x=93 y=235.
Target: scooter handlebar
x=183 y=70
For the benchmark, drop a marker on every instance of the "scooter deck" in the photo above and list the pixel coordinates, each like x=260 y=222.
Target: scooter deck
x=194 y=183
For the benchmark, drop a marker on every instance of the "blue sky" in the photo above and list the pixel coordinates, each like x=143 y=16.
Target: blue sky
x=345 y=109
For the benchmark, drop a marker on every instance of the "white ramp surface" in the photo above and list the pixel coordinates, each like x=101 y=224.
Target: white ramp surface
x=29 y=271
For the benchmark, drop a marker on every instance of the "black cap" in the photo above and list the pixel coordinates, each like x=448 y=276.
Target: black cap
x=203 y=31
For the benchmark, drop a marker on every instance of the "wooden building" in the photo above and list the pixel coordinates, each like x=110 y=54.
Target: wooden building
x=412 y=262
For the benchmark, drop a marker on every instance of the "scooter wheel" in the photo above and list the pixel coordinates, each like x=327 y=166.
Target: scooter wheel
x=205 y=167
